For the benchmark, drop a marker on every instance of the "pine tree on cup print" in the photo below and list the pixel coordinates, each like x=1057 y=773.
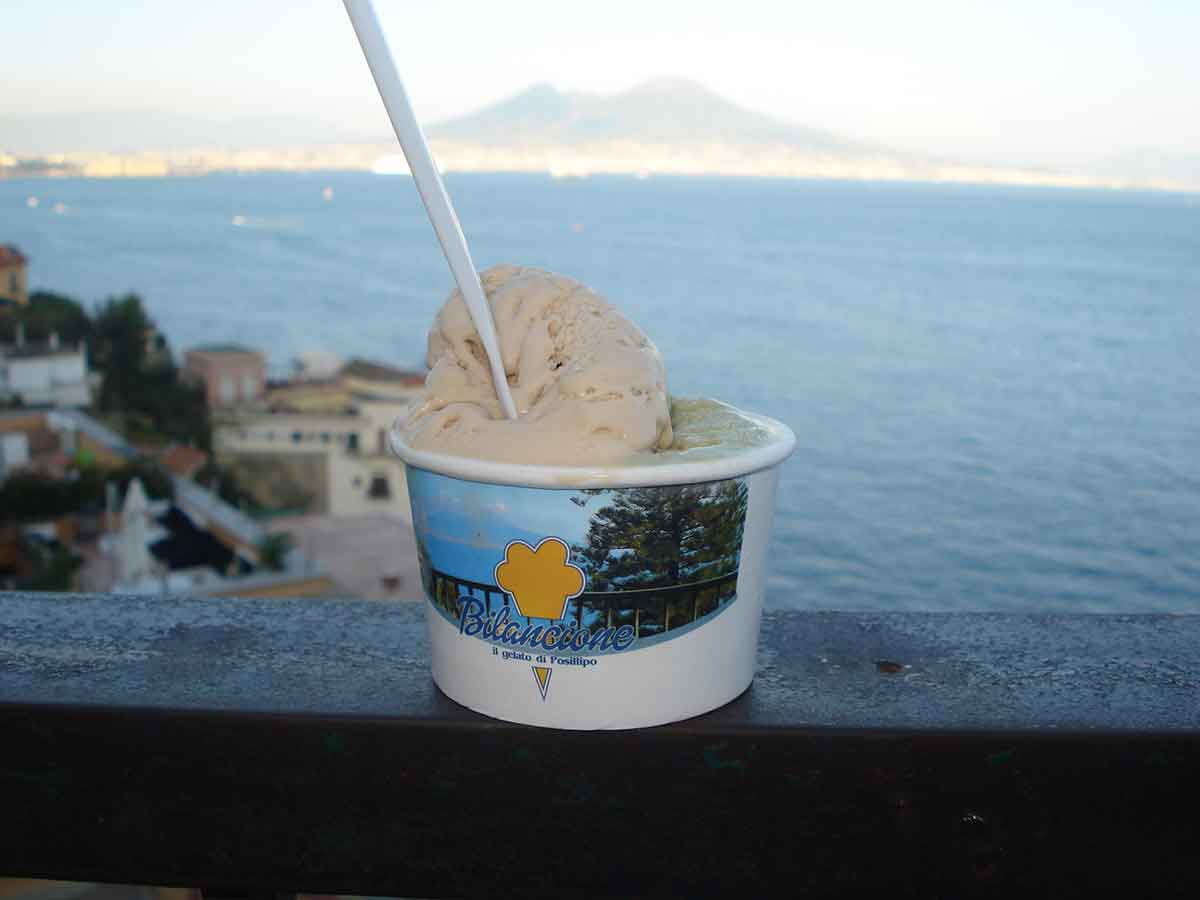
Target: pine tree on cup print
x=668 y=556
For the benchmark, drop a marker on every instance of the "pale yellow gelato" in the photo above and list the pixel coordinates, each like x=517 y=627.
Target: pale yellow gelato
x=705 y=428
x=589 y=386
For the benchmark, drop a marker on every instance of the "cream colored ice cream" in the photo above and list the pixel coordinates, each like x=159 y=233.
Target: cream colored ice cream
x=589 y=386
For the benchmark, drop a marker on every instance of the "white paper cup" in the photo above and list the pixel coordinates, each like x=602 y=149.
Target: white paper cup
x=594 y=597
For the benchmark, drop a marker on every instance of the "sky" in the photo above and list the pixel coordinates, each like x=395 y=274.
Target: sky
x=486 y=517
x=1044 y=82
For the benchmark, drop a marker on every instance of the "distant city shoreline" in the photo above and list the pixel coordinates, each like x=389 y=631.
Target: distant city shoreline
x=664 y=127
x=655 y=162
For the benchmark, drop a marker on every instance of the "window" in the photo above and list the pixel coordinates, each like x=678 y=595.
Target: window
x=13 y=283
x=227 y=389
x=381 y=442
x=249 y=387
x=352 y=442
x=324 y=437
x=379 y=489
x=297 y=437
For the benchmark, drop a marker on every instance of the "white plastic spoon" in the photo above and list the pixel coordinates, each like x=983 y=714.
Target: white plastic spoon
x=430 y=186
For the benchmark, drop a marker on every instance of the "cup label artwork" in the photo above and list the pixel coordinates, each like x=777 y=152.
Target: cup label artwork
x=548 y=578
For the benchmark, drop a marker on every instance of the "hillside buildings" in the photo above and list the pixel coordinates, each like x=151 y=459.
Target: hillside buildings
x=193 y=542
x=48 y=442
x=231 y=375
x=36 y=373
x=321 y=445
x=14 y=287
x=44 y=374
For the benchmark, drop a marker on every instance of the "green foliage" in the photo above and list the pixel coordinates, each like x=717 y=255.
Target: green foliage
x=174 y=409
x=154 y=478
x=273 y=550
x=222 y=482
x=662 y=536
x=48 y=312
x=144 y=390
x=53 y=569
x=31 y=497
x=119 y=350
x=424 y=564
x=147 y=391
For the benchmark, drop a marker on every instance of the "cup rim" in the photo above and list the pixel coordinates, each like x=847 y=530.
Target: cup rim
x=741 y=461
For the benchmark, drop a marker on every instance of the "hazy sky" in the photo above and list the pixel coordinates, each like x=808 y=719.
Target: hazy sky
x=1042 y=81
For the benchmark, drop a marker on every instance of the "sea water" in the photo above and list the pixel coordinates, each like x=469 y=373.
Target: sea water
x=996 y=391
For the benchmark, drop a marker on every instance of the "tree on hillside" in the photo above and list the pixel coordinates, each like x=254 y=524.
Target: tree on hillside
x=274 y=549
x=176 y=410
x=223 y=481
x=148 y=390
x=45 y=314
x=31 y=497
x=120 y=329
x=34 y=497
x=150 y=472
x=54 y=568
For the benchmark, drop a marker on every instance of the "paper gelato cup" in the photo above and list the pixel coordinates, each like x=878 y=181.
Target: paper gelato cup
x=594 y=597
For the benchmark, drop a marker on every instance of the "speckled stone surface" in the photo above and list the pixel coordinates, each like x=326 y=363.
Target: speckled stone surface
x=261 y=746
x=815 y=669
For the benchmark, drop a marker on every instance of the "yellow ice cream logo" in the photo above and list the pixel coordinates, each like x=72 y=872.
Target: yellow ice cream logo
x=540 y=579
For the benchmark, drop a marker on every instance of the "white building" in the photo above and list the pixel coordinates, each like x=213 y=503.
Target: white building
x=361 y=475
x=14 y=452
x=44 y=374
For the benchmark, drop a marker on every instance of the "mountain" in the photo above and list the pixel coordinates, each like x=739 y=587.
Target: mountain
x=671 y=126
x=662 y=111
x=667 y=126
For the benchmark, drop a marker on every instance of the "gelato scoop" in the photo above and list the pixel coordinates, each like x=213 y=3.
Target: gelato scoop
x=589 y=386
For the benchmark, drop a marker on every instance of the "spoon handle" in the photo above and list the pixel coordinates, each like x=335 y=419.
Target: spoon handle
x=431 y=188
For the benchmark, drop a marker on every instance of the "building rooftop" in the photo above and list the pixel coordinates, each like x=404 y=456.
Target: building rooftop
x=373 y=371
x=225 y=348
x=11 y=256
x=19 y=415
x=377 y=397
x=201 y=503
x=35 y=350
x=102 y=434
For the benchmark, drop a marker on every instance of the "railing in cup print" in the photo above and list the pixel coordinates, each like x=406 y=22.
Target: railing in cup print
x=650 y=611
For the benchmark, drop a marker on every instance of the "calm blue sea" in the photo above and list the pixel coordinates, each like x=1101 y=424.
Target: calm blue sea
x=996 y=390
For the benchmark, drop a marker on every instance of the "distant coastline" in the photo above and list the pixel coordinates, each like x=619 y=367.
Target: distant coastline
x=663 y=127
x=628 y=158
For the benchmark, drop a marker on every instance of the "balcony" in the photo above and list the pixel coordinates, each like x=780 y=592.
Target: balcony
x=259 y=747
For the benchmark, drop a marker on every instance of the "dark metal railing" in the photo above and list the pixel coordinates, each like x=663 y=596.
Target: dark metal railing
x=268 y=746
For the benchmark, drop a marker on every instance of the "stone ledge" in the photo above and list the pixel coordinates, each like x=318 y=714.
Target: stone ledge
x=289 y=745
